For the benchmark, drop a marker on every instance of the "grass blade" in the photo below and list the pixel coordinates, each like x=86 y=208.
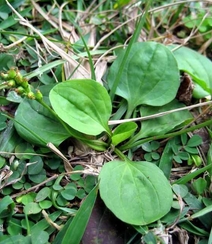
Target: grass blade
x=73 y=230
x=133 y=39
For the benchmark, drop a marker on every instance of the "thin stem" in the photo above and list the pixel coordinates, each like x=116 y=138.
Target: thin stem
x=27 y=224
x=120 y=154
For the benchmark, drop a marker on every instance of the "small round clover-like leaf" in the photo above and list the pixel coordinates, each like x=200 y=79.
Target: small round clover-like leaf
x=138 y=193
x=83 y=104
x=32 y=208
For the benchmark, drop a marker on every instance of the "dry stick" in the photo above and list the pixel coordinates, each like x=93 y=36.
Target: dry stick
x=53 y=178
x=42 y=13
x=153 y=116
x=67 y=165
x=14 y=43
x=34 y=187
x=205 y=45
x=47 y=43
x=46 y=216
x=104 y=54
x=64 y=34
x=60 y=22
x=85 y=14
x=33 y=154
x=193 y=32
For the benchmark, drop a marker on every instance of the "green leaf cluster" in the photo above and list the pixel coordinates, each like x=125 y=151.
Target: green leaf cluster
x=82 y=108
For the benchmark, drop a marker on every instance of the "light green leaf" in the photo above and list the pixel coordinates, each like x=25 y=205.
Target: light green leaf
x=150 y=75
x=123 y=132
x=43 y=194
x=196 y=65
x=27 y=198
x=14 y=97
x=45 y=204
x=180 y=190
x=32 y=208
x=136 y=192
x=83 y=104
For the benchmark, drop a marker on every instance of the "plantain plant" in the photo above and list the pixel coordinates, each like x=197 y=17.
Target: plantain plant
x=82 y=108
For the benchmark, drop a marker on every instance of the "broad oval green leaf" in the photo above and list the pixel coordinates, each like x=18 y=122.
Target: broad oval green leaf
x=123 y=132
x=136 y=192
x=196 y=65
x=150 y=76
x=83 y=104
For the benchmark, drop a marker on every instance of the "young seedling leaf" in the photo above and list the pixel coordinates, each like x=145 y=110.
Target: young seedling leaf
x=83 y=104
x=197 y=66
x=194 y=141
x=150 y=75
x=138 y=193
x=123 y=132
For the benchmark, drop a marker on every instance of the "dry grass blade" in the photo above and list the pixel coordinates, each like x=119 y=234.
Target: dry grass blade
x=114 y=122
x=50 y=45
x=67 y=165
